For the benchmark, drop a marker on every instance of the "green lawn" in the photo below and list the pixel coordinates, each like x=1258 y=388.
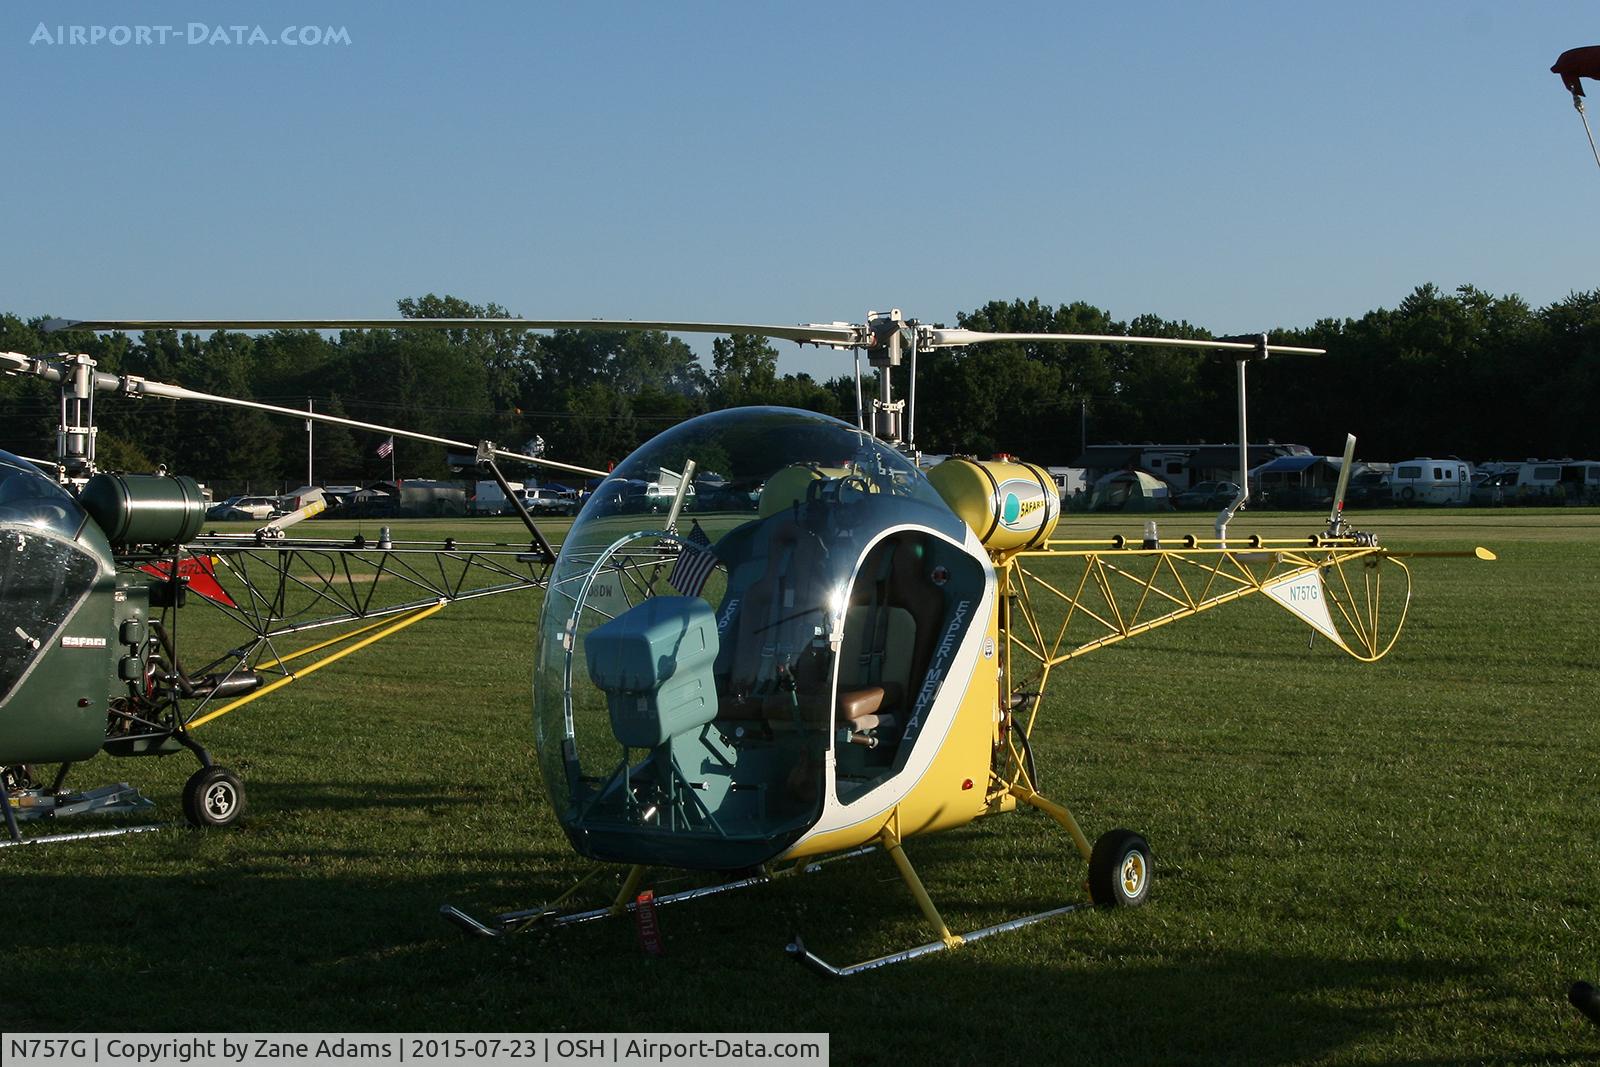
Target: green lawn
x=1389 y=863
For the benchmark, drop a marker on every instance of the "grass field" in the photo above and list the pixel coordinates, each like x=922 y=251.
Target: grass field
x=1392 y=863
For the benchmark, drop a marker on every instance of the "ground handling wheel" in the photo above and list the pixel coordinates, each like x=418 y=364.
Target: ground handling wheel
x=213 y=796
x=1120 y=869
x=1586 y=998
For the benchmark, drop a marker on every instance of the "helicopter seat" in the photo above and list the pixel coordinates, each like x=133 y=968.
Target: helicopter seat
x=890 y=629
x=874 y=665
x=765 y=670
x=865 y=708
x=860 y=703
x=653 y=662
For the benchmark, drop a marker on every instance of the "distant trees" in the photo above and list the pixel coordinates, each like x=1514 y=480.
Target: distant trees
x=1463 y=372
x=335 y=454
x=1031 y=398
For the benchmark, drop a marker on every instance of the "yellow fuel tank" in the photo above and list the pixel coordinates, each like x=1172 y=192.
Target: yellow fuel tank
x=1009 y=505
x=790 y=485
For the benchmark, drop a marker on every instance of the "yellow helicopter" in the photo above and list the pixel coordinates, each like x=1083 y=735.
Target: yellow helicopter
x=842 y=653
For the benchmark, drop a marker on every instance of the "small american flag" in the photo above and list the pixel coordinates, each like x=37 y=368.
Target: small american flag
x=385 y=448
x=695 y=563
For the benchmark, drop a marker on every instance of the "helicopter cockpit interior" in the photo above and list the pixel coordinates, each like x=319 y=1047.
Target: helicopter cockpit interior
x=708 y=721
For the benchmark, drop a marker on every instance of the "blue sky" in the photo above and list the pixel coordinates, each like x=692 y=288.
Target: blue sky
x=1239 y=166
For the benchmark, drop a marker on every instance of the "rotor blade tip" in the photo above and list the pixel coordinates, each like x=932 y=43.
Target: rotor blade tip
x=57 y=325
x=1484 y=554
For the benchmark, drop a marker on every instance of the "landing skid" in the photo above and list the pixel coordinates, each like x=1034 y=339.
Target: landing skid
x=890 y=841
x=1119 y=873
x=53 y=839
x=797 y=947
x=513 y=921
x=552 y=914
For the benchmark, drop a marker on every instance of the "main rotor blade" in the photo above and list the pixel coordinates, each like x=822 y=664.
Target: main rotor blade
x=952 y=338
x=134 y=385
x=817 y=333
x=828 y=333
x=137 y=386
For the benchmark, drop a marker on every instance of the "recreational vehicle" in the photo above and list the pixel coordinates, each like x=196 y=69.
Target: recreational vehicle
x=1557 y=481
x=1070 y=481
x=1431 y=481
x=1581 y=482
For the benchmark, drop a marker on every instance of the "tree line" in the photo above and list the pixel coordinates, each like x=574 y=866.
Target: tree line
x=1464 y=373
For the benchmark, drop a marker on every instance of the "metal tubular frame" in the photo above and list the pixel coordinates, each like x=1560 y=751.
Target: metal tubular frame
x=1115 y=597
x=264 y=579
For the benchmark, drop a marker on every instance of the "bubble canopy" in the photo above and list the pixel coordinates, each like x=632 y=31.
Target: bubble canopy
x=28 y=498
x=688 y=683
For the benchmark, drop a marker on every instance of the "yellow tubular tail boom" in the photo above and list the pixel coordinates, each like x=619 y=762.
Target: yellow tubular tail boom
x=1118 y=594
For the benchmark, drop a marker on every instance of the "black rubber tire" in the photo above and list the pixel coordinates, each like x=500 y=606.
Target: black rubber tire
x=1586 y=998
x=1120 y=870
x=213 y=796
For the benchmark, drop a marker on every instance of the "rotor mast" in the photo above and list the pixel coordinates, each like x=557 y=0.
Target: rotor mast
x=75 y=431
x=886 y=335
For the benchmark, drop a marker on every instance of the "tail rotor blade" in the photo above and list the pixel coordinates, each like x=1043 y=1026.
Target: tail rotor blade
x=1336 y=515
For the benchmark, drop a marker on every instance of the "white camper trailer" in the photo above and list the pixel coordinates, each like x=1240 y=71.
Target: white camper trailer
x=1431 y=481
x=1070 y=481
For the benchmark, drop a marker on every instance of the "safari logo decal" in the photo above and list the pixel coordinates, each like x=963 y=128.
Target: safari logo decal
x=1022 y=504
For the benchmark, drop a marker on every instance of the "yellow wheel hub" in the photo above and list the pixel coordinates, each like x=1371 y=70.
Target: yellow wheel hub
x=1133 y=873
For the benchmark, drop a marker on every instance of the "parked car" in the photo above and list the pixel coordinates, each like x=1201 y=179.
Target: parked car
x=1207 y=496
x=639 y=495
x=549 y=501
x=245 y=509
x=1295 y=497
x=727 y=496
x=221 y=507
x=1493 y=490
x=1369 y=488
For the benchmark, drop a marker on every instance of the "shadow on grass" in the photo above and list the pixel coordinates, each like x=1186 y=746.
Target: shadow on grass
x=258 y=946
x=351 y=795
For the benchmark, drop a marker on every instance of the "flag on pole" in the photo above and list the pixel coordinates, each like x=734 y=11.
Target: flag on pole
x=386 y=448
x=695 y=563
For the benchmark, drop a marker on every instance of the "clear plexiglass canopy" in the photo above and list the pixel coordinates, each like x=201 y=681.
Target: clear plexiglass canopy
x=687 y=680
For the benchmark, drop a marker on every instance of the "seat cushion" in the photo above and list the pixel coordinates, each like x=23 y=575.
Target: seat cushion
x=855 y=704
